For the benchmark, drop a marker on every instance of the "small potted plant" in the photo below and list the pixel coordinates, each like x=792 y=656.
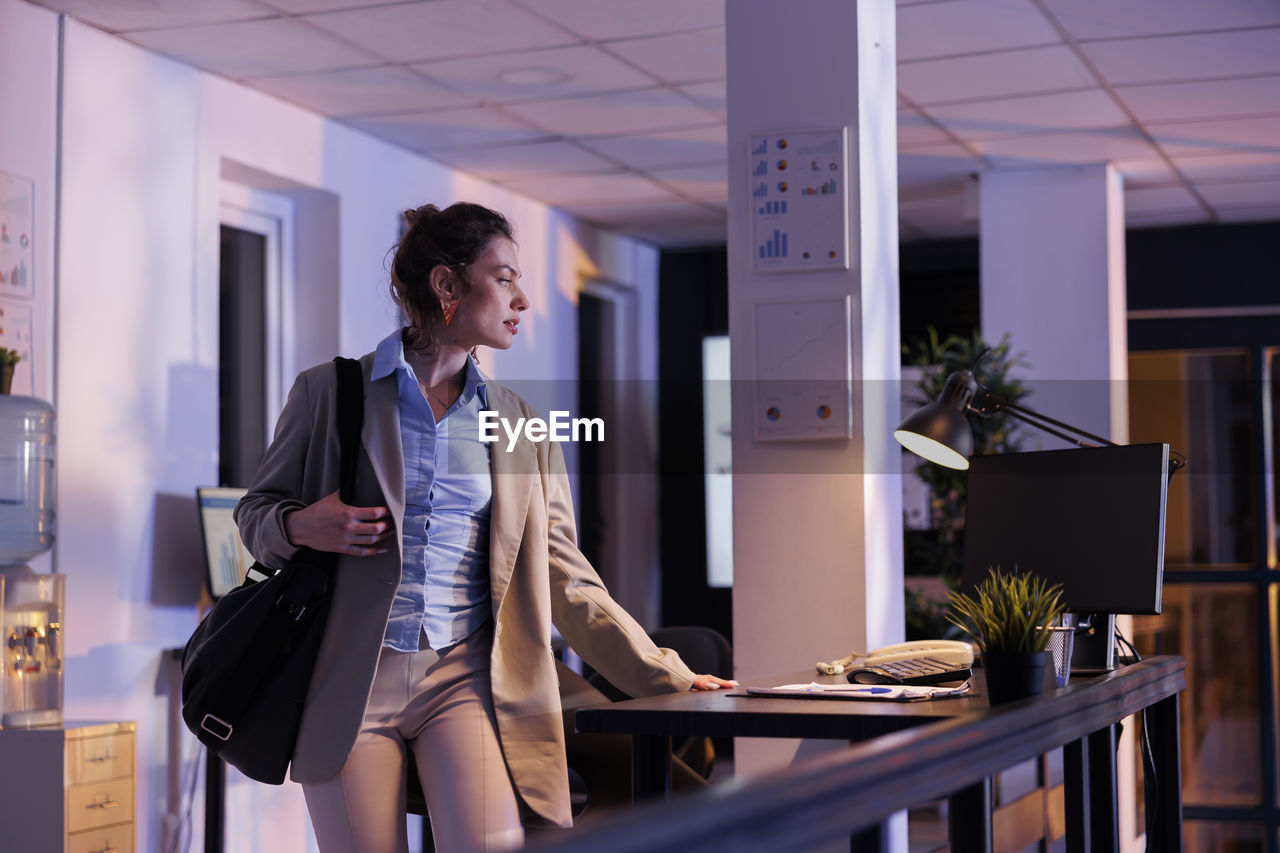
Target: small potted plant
x=1006 y=616
x=9 y=358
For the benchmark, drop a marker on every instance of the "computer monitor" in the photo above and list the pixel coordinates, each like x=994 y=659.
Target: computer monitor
x=226 y=559
x=1091 y=519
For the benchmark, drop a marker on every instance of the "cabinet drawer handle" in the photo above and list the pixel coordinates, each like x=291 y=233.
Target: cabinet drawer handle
x=98 y=758
x=105 y=804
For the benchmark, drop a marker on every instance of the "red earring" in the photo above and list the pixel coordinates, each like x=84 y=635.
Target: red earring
x=449 y=307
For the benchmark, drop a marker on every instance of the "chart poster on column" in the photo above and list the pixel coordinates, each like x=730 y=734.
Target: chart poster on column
x=804 y=370
x=15 y=234
x=799 y=200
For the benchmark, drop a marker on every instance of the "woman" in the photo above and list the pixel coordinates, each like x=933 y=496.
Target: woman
x=457 y=558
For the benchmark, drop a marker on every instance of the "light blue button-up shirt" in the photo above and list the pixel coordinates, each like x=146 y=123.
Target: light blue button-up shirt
x=448 y=492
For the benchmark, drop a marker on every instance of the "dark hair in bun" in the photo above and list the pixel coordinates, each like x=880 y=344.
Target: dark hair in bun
x=453 y=238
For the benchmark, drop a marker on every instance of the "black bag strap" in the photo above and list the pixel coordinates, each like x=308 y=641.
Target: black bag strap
x=350 y=422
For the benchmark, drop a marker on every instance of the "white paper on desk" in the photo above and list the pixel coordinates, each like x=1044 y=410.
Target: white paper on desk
x=873 y=692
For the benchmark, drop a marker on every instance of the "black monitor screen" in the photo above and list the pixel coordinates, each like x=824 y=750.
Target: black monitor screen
x=1091 y=519
x=225 y=555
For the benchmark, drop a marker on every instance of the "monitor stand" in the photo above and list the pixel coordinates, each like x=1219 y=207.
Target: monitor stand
x=1094 y=649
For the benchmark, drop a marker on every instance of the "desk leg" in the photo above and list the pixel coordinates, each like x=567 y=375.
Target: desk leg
x=651 y=767
x=969 y=818
x=1164 y=809
x=1075 y=771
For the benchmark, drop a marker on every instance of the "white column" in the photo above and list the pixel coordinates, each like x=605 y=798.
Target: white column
x=817 y=524
x=1053 y=279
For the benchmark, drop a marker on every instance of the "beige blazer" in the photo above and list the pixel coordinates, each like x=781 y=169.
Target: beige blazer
x=538 y=578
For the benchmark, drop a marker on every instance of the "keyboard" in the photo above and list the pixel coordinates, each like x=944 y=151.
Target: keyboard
x=911 y=671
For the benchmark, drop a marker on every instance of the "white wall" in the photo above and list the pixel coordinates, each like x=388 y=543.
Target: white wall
x=145 y=144
x=28 y=69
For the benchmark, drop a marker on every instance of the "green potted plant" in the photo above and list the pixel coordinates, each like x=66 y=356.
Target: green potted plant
x=1007 y=616
x=9 y=358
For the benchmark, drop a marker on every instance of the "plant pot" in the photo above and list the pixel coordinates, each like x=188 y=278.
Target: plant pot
x=1013 y=675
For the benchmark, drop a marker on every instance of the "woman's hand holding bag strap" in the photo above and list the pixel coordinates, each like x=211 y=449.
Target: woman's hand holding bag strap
x=247 y=667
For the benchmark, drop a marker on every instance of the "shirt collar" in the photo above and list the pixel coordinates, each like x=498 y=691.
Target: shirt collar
x=389 y=357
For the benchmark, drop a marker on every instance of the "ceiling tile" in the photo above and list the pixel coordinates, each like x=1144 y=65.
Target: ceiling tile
x=432 y=131
x=306 y=7
x=592 y=189
x=679 y=58
x=134 y=14
x=970 y=26
x=1250 y=193
x=711 y=95
x=1094 y=19
x=1239 y=96
x=443 y=28
x=595 y=20
x=663 y=223
x=1189 y=57
x=1097 y=146
x=588 y=70
x=624 y=112
x=530 y=160
x=915 y=129
x=995 y=75
x=1147 y=199
x=1013 y=116
x=1163 y=218
x=363 y=91
x=1236 y=166
x=1219 y=136
x=1145 y=172
x=1260 y=213
x=707 y=182
x=666 y=148
x=936 y=163
x=253 y=48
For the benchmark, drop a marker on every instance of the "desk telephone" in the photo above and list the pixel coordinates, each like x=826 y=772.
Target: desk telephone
x=919 y=662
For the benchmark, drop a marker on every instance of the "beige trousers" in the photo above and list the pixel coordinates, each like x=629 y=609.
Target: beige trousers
x=440 y=706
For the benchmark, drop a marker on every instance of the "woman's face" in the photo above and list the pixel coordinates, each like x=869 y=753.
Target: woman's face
x=489 y=310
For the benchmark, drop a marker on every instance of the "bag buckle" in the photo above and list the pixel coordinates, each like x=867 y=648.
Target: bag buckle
x=220 y=728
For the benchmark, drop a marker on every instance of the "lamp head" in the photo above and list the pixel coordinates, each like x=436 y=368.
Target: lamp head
x=940 y=431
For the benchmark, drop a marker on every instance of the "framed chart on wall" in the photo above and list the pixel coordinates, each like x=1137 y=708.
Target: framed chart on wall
x=16 y=219
x=799 y=200
x=804 y=370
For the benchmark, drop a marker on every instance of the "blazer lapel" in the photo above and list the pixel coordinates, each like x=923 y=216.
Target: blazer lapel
x=513 y=474
x=381 y=436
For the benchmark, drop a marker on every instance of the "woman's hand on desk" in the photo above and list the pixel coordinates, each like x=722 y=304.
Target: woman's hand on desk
x=710 y=682
x=330 y=525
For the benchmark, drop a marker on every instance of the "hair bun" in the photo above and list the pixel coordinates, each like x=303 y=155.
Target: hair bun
x=412 y=216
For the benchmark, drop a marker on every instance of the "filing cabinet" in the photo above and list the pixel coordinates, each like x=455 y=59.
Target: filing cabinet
x=68 y=788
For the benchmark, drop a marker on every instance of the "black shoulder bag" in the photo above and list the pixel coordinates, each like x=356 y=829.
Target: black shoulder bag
x=247 y=667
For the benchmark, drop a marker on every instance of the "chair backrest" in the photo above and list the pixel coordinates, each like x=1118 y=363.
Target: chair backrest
x=703 y=649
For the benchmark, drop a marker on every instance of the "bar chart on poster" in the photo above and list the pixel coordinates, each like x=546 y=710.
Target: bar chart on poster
x=799 y=201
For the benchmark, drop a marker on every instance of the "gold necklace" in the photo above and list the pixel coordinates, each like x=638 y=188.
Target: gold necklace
x=426 y=389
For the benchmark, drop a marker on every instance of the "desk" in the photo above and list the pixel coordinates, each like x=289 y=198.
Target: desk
x=1078 y=717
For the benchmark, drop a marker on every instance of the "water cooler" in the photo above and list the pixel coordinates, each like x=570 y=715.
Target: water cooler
x=31 y=603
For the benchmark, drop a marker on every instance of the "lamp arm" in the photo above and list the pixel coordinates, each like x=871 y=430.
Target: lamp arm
x=1034 y=418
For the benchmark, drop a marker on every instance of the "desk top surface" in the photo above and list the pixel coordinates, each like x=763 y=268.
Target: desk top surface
x=734 y=714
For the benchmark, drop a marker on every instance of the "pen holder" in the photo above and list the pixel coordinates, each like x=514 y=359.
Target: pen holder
x=1059 y=649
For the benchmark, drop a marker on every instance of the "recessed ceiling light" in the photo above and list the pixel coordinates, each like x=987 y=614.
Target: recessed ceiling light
x=534 y=76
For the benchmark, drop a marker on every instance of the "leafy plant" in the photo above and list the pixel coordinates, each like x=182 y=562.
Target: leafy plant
x=1008 y=612
x=937 y=550
x=9 y=357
